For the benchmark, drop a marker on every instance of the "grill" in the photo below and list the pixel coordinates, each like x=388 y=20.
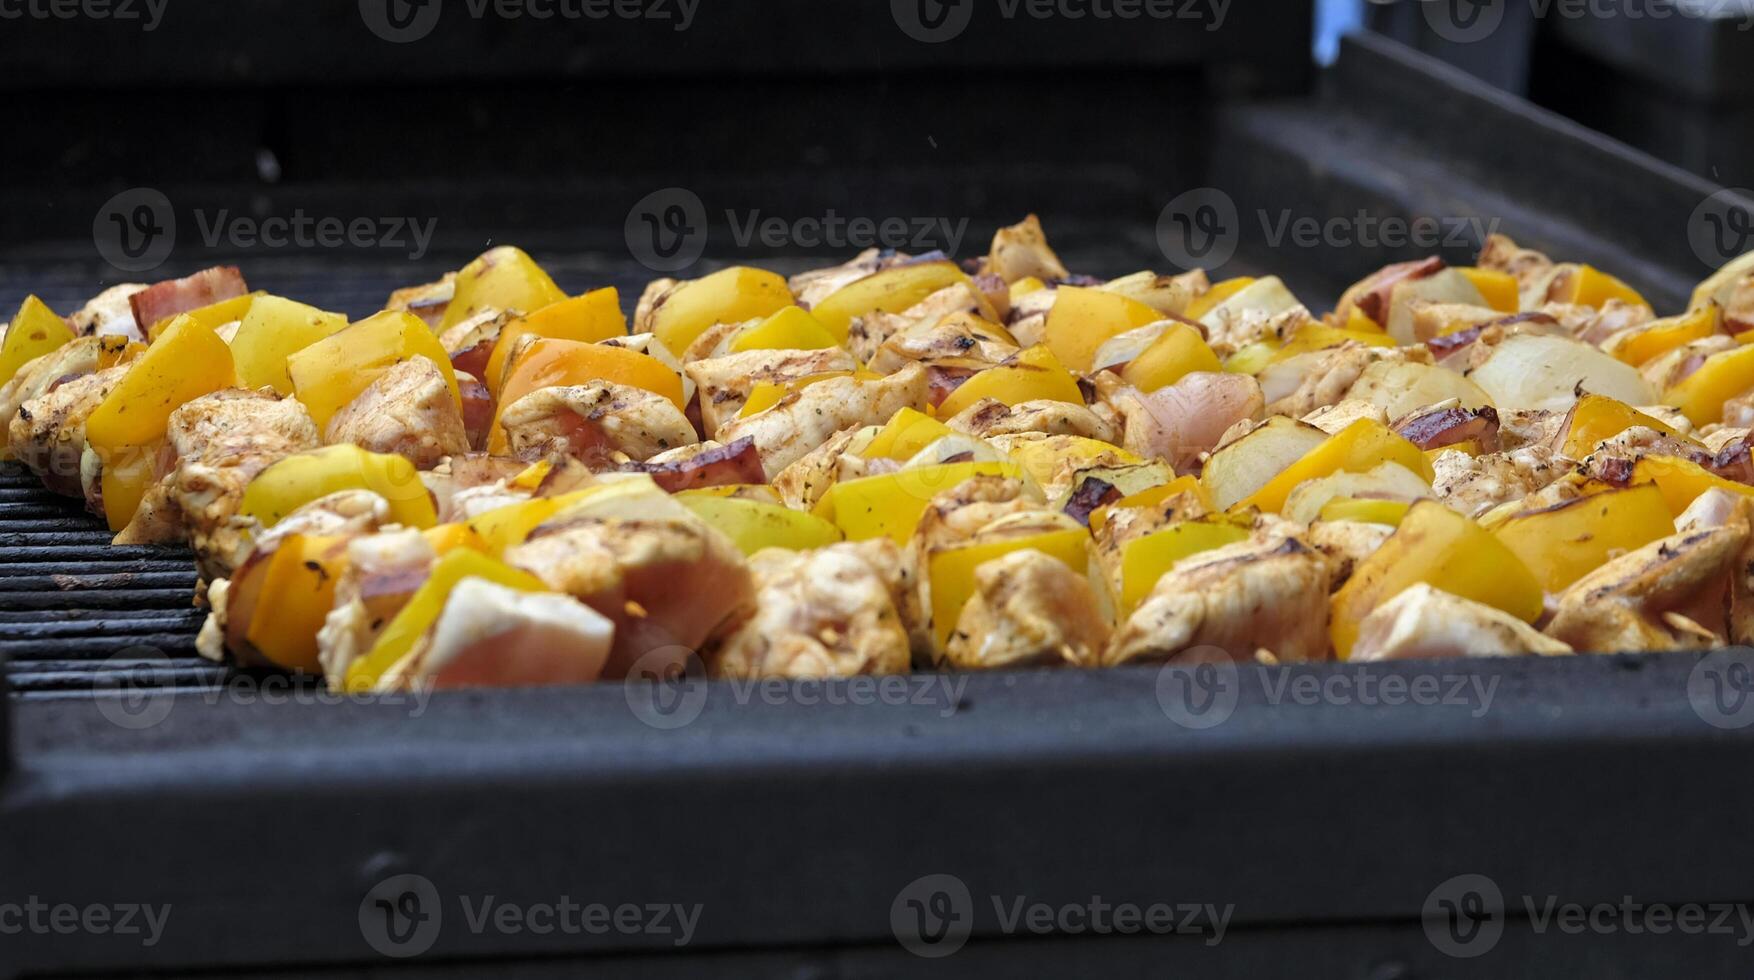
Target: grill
x=273 y=822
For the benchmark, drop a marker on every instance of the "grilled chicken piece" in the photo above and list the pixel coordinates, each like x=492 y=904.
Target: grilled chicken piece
x=957 y=342
x=1671 y=368
x=427 y=301
x=601 y=424
x=807 y=418
x=217 y=444
x=803 y=483
x=1530 y=427
x=37 y=376
x=957 y=515
x=48 y=433
x=666 y=583
x=1021 y=250
x=1320 y=378
x=1028 y=318
x=1028 y=609
x=468 y=484
x=704 y=464
x=1180 y=422
x=163 y=300
x=832 y=612
x=1474 y=485
x=1346 y=543
x=1687 y=591
x=1236 y=329
x=1423 y=623
x=409 y=411
x=1266 y=594
x=110 y=314
x=990 y=417
x=383 y=571
x=1592 y=325
x=489 y=635
x=725 y=382
x=1500 y=253
x=867 y=334
x=817 y=285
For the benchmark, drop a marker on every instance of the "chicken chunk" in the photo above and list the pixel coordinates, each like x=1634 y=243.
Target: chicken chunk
x=807 y=418
x=1028 y=609
x=409 y=411
x=601 y=424
x=1423 y=623
x=37 y=376
x=109 y=314
x=1474 y=485
x=831 y=612
x=1684 y=592
x=1346 y=543
x=817 y=285
x=963 y=342
x=1021 y=250
x=725 y=382
x=489 y=635
x=383 y=571
x=1320 y=378
x=666 y=583
x=48 y=433
x=990 y=417
x=1269 y=594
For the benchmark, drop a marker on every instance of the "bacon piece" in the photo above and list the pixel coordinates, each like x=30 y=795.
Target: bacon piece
x=477 y=409
x=1449 y=426
x=941 y=381
x=473 y=359
x=715 y=466
x=173 y=296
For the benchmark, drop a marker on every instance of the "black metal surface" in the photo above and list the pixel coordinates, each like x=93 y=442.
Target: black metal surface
x=263 y=813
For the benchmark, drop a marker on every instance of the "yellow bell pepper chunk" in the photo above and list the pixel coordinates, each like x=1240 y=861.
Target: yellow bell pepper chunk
x=1565 y=542
x=1179 y=352
x=503 y=527
x=331 y=372
x=952 y=570
x=1667 y=334
x=1365 y=510
x=114 y=349
x=1220 y=291
x=531 y=477
x=1146 y=559
x=1357 y=321
x=295 y=598
x=1499 y=288
x=35 y=330
x=504 y=279
x=1152 y=497
x=1723 y=376
x=1023 y=287
x=727 y=296
x=753 y=525
x=1681 y=481
x=1314 y=337
x=214 y=315
x=446 y=538
x=126 y=476
x=1443 y=549
x=290 y=483
x=792 y=328
x=424 y=607
x=760 y=492
x=1251 y=358
x=1081 y=320
x=1357 y=448
x=595 y=316
x=550 y=363
x=1590 y=286
x=1033 y=375
x=766 y=394
x=273 y=330
x=891 y=505
x=908 y=432
x=891 y=291
x=187 y=361
x=1598 y=417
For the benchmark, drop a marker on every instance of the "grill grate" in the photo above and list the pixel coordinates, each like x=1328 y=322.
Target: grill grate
x=79 y=616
